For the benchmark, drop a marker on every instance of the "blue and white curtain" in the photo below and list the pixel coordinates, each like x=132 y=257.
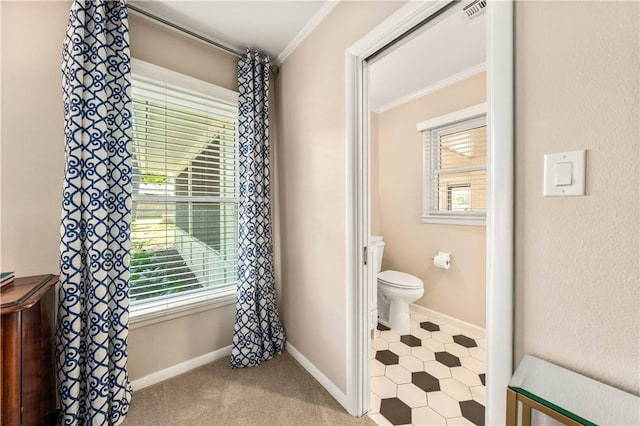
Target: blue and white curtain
x=258 y=334
x=93 y=312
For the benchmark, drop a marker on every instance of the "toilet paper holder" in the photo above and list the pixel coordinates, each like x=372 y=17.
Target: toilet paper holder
x=442 y=260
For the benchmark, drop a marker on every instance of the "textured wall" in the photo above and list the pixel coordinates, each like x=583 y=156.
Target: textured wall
x=155 y=43
x=32 y=135
x=312 y=188
x=409 y=243
x=577 y=281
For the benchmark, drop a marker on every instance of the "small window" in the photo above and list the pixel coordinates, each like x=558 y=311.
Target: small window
x=459 y=198
x=455 y=170
x=185 y=174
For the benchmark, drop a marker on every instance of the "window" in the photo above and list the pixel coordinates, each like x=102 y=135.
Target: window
x=455 y=168
x=459 y=197
x=185 y=174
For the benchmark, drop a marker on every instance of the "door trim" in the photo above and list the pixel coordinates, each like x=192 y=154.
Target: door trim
x=500 y=217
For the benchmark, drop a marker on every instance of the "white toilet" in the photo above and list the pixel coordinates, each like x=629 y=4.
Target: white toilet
x=395 y=290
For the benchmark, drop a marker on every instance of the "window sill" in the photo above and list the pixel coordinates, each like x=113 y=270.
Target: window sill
x=455 y=220
x=158 y=314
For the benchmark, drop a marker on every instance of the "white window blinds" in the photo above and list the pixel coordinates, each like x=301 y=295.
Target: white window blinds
x=458 y=164
x=184 y=215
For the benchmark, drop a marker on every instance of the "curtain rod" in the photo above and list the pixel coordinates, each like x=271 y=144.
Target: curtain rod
x=184 y=30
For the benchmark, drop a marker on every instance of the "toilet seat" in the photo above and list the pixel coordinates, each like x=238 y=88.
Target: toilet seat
x=399 y=280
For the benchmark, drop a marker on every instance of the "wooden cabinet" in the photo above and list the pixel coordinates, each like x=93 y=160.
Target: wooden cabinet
x=27 y=352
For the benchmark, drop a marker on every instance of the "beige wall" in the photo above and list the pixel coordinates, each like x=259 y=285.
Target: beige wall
x=33 y=160
x=410 y=244
x=155 y=43
x=312 y=175
x=577 y=279
x=32 y=135
x=165 y=344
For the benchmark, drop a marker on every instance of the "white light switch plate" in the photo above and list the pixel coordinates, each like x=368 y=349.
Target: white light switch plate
x=556 y=185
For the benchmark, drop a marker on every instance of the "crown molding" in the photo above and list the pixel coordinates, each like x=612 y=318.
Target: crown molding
x=307 y=29
x=432 y=88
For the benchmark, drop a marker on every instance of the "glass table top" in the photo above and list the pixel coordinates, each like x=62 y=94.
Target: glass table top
x=574 y=395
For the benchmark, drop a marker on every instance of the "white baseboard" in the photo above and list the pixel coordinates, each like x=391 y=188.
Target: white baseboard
x=178 y=369
x=470 y=329
x=317 y=374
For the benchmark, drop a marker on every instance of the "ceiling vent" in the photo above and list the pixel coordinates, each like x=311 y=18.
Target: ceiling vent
x=475 y=9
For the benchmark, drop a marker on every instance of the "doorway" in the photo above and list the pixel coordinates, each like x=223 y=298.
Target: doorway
x=499 y=221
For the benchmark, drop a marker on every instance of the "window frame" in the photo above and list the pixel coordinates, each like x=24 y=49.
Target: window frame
x=459 y=120
x=181 y=304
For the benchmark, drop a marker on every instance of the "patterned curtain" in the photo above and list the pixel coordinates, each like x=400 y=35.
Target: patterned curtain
x=93 y=313
x=257 y=333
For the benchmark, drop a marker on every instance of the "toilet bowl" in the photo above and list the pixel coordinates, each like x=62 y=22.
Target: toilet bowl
x=395 y=291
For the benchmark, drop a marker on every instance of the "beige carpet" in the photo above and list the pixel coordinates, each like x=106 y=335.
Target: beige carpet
x=278 y=392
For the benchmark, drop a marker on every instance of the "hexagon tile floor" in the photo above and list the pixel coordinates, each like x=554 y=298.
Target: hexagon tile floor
x=433 y=376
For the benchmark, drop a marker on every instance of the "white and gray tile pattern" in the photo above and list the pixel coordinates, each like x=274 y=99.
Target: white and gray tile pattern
x=435 y=375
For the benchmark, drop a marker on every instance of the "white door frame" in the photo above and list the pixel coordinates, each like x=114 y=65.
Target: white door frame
x=499 y=311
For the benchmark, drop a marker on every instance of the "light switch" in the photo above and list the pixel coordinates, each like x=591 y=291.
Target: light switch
x=564 y=174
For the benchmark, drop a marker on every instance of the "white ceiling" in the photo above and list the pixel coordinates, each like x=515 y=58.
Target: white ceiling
x=454 y=46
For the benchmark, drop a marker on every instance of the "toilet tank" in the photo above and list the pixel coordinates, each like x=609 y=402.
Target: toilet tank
x=376 y=246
